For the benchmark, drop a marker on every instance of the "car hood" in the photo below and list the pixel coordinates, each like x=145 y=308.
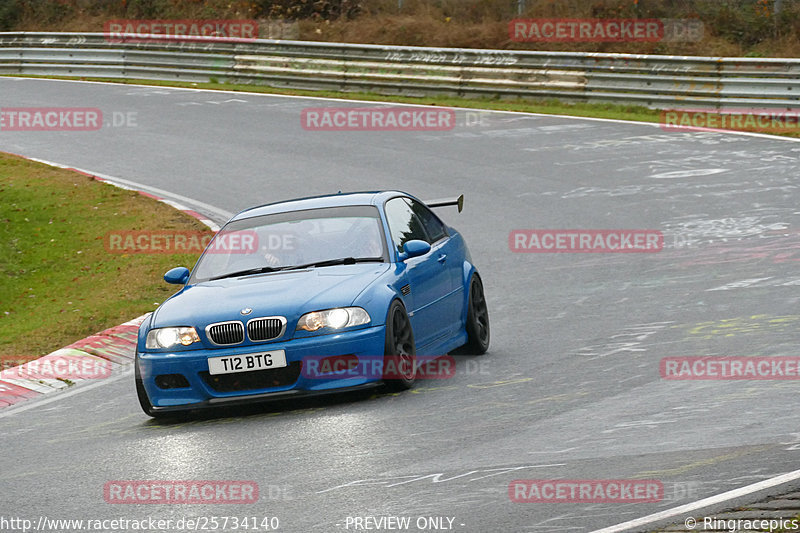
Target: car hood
x=289 y=294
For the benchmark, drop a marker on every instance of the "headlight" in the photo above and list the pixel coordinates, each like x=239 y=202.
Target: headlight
x=341 y=317
x=168 y=337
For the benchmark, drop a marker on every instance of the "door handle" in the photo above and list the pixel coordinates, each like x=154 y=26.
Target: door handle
x=442 y=258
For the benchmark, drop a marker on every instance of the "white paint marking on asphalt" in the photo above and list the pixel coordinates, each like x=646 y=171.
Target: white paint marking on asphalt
x=377 y=102
x=33 y=403
x=706 y=502
x=127 y=184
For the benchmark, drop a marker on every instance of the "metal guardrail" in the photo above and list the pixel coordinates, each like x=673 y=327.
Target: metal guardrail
x=647 y=80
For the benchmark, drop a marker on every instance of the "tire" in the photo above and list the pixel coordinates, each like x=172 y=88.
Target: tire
x=478 y=331
x=400 y=353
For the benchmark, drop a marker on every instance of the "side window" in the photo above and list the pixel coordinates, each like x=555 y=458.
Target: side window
x=403 y=223
x=433 y=226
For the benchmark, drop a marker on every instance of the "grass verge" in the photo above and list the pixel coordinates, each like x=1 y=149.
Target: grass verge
x=58 y=281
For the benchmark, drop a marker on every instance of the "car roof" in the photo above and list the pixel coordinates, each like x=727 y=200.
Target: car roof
x=375 y=198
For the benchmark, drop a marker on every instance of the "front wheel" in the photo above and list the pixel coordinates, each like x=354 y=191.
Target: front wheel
x=400 y=354
x=477 y=320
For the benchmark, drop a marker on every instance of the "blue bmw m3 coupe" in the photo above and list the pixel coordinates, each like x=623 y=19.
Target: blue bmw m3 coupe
x=312 y=296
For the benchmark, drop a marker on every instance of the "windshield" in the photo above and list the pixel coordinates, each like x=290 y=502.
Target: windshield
x=285 y=240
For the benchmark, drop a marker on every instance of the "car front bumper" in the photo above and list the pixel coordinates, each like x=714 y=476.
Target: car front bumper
x=204 y=390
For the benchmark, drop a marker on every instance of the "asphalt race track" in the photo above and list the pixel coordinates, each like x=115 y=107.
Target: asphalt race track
x=571 y=387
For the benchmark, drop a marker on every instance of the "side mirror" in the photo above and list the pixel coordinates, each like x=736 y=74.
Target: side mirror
x=177 y=276
x=414 y=248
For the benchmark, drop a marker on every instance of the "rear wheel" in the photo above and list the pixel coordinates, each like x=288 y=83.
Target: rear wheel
x=400 y=354
x=477 y=320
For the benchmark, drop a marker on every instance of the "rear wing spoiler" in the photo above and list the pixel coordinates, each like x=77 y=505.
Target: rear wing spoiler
x=443 y=202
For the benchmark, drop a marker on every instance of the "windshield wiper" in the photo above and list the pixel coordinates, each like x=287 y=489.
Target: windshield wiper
x=328 y=262
x=248 y=272
x=340 y=261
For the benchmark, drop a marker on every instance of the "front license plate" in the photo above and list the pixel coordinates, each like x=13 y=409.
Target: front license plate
x=228 y=364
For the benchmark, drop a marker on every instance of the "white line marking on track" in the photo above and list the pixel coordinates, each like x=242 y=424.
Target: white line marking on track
x=225 y=215
x=33 y=403
x=378 y=102
x=706 y=502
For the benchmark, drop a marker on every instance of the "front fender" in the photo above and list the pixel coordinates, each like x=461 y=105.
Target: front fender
x=377 y=298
